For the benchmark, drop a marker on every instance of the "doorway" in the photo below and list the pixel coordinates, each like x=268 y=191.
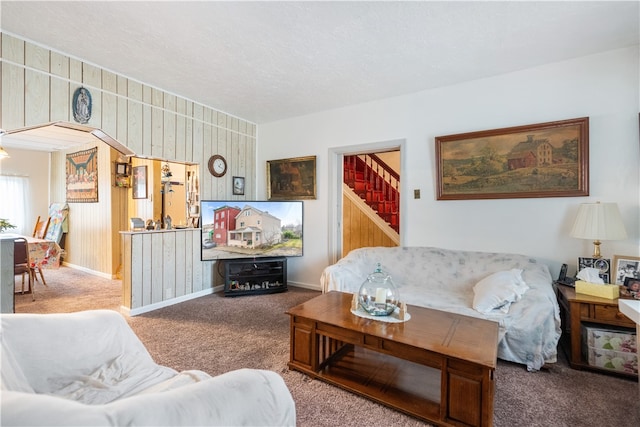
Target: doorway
x=353 y=222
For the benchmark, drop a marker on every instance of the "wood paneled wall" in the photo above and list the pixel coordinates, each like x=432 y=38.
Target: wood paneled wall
x=161 y=266
x=359 y=229
x=37 y=86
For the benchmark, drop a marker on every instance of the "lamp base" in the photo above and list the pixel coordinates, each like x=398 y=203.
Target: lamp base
x=596 y=249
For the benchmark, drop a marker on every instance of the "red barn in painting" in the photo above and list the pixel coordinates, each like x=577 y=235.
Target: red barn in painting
x=530 y=153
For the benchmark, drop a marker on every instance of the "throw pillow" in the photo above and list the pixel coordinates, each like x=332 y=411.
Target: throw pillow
x=498 y=290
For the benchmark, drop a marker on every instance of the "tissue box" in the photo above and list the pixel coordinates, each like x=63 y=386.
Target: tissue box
x=615 y=360
x=602 y=291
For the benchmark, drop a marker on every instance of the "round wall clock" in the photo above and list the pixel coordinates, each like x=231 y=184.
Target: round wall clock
x=217 y=165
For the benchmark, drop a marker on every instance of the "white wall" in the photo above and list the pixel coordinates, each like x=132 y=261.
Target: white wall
x=34 y=165
x=604 y=87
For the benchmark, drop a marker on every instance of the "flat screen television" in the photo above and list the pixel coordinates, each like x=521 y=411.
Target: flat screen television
x=250 y=229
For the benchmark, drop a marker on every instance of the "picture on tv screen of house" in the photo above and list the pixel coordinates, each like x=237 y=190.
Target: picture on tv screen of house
x=250 y=229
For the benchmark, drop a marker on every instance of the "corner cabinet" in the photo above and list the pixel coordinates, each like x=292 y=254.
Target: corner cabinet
x=255 y=276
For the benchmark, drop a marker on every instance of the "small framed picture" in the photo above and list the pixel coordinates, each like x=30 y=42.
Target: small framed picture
x=238 y=186
x=633 y=286
x=624 y=267
x=602 y=264
x=139 y=183
x=122 y=169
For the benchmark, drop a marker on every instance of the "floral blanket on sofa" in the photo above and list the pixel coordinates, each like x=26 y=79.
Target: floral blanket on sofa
x=444 y=279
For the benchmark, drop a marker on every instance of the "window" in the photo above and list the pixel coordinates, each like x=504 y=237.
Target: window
x=15 y=205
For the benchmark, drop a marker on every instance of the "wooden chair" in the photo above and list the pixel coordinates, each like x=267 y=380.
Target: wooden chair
x=40 y=230
x=21 y=263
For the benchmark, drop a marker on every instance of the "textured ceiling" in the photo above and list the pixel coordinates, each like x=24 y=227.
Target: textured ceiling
x=266 y=61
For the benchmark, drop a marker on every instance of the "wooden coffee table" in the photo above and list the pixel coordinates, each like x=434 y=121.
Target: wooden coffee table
x=437 y=366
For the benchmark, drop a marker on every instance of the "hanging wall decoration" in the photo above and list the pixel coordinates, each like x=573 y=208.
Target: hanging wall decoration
x=541 y=160
x=81 y=105
x=82 y=176
x=291 y=179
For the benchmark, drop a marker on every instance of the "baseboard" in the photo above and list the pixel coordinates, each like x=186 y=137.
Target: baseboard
x=89 y=271
x=304 y=285
x=147 y=308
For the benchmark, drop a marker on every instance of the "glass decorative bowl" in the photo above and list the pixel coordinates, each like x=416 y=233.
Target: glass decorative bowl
x=378 y=295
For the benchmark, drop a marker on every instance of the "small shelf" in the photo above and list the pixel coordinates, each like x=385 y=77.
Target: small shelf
x=255 y=276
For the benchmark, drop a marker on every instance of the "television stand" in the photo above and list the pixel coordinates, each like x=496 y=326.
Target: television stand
x=255 y=276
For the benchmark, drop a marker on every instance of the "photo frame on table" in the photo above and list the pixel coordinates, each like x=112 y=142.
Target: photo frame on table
x=139 y=182
x=238 y=186
x=602 y=264
x=291 y=179
x=625 y=266
x=540 y=160
x=633 y=286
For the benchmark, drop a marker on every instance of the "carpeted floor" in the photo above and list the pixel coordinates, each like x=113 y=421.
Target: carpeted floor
x=217 y=334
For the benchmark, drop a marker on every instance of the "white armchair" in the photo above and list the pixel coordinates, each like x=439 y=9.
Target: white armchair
x=89 y=368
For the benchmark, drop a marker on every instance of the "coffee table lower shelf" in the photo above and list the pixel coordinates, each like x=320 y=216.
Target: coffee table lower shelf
x=400 y=384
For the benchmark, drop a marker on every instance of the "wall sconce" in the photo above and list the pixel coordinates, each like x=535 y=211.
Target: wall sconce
x=598 y=221
x=3 y=152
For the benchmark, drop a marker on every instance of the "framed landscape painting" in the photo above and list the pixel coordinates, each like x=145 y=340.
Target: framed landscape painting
x=541 y=160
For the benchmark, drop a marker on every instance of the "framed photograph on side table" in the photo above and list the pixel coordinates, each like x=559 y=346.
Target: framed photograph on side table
x=602 y=264
x=625 y=266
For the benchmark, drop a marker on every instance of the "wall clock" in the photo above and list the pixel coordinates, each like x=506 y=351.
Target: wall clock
x=217 y=165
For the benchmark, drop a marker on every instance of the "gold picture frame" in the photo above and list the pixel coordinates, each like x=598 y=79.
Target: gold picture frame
x=540 y=160
x=291 y=179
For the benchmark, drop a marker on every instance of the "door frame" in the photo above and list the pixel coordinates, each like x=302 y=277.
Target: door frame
x=336 y=178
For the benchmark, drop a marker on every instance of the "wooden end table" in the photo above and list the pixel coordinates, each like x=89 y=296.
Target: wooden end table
x=578 y=309
x=437 y=366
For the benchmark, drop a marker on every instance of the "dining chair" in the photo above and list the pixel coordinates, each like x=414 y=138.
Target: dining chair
x=21 y=263
x=40 y=230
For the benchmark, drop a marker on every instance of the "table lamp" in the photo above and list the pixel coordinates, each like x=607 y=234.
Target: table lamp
x=598 y=221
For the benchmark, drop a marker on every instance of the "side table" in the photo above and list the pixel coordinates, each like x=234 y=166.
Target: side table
x=577 y=309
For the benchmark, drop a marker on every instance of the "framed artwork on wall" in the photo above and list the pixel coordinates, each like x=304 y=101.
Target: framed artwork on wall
x=82 y=176
x=540 y=160
x=291 y=179
x=238 y=186
x=139 y=182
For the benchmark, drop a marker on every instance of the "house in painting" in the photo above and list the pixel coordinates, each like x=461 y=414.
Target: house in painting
x=224 y=220
x=530 y=153
x=255 y=228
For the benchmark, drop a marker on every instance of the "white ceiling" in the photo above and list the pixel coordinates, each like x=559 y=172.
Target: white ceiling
x=266 y=61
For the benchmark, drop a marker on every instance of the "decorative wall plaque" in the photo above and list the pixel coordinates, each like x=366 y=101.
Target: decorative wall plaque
x=81 y=105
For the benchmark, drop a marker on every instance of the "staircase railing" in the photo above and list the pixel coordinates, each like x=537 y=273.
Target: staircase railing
x=376 y=183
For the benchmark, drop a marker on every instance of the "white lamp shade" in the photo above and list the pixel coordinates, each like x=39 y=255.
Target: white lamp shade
x=599 y=221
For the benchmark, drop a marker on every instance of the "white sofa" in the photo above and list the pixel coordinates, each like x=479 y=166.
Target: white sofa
x=445 y=279
x=90 y=369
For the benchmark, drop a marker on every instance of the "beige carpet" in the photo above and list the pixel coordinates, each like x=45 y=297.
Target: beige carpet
x=218 y=334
